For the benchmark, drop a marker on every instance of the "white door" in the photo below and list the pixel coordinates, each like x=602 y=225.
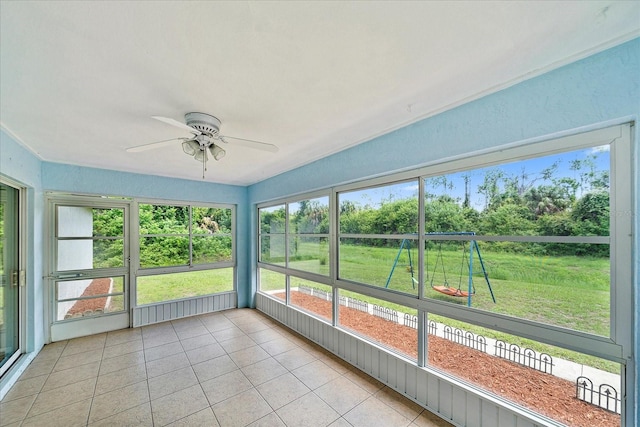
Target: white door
x=89 y=267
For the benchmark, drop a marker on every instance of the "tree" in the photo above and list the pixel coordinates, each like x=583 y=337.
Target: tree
x=546 y=199
x=490 y=188
x=444 y=215
x=591 y=214
x=508 y=220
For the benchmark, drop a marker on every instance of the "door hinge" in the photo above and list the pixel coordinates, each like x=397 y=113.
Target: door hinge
x=18 y=278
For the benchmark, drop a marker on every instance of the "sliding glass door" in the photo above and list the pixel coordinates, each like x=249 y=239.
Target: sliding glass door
x=11 y=277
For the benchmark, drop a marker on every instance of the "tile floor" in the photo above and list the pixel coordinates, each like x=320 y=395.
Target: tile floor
x=233 y=368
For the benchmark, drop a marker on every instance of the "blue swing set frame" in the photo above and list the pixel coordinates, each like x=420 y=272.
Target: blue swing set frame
x=473 y=246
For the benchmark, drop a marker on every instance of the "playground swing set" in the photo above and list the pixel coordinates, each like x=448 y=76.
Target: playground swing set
x=446 y=288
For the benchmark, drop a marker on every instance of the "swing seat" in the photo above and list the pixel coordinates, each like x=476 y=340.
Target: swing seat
x=453 y=292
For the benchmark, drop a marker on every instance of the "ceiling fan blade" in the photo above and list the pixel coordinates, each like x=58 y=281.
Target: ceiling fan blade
x=177 y=124
x=154 y=145
x=249 y=143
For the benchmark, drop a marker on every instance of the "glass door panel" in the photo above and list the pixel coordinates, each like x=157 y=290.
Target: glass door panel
x=89 y=297
x=10 y=277
x=90 y=262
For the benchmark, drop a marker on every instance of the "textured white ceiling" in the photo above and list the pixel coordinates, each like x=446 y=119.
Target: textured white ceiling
x=79 y=81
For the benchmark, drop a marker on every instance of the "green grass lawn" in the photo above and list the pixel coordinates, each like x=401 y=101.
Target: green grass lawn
x=167 y=287
x=567 y=291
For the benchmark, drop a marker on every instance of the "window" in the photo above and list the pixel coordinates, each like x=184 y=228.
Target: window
x=309 y=235
x=185 y=251
x=526 y=248
x=272 y=235
x=379 y=236
x=538 y=228
x=294 y=237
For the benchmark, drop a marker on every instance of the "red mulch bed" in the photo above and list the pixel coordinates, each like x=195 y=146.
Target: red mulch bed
x=544 y=393
x=96 y=287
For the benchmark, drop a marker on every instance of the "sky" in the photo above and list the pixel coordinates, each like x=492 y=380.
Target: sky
x=456 y=187
x=532 y=168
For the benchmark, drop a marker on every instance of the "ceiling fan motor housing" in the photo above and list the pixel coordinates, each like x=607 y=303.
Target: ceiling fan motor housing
x=205 y=123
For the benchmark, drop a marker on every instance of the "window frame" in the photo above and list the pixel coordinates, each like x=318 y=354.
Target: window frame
x=617 y=347
x=286 y=270
x=138 y=271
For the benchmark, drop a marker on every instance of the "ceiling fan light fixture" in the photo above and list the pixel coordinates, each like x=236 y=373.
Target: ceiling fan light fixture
x=217 y=152
x=191 y=147
x=201 y=155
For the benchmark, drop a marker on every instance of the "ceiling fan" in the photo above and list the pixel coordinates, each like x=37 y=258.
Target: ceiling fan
x=206 y=137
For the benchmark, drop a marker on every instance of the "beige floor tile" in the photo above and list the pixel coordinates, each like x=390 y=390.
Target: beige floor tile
x=363 y=380
x=241 y=409
x=120 y=362
x=337 y=364
x=248 y=356
x=121 y=378
x=235 y=344
x=225 y=386
x=263 y=371
x=15 y=410
x=342 y=395
x=371 y=411
x=162 y=351
x=167 y=364
x=277 y=346
x=172 y=382
x=427 y=419
x=70 y=376
x=230 y=333
x=122 y=336
x=315 y=374
x=157 y=329
x=204 y=418
x=265 y=335
x=295 y=358
x=307 y=411
x=51 y=351
x=62 y=396
x=239 y=313
x=84 y=344
x=186 y=323
x=269 y=420
x=138 y=416
x=26 y=387
x=201 y=340
x=159 y=339
x=119 y=400
x=214 y=367
x=38 y=368
x=123 y=348
x=398 y=402
x=178 y=405
x=282 y=390
x=234 y=368
x=73 y=415
x=192 y=332
x=75 y=360
x=201 y=354
x=253 y=326
x=340 y=422
x=216 y=323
